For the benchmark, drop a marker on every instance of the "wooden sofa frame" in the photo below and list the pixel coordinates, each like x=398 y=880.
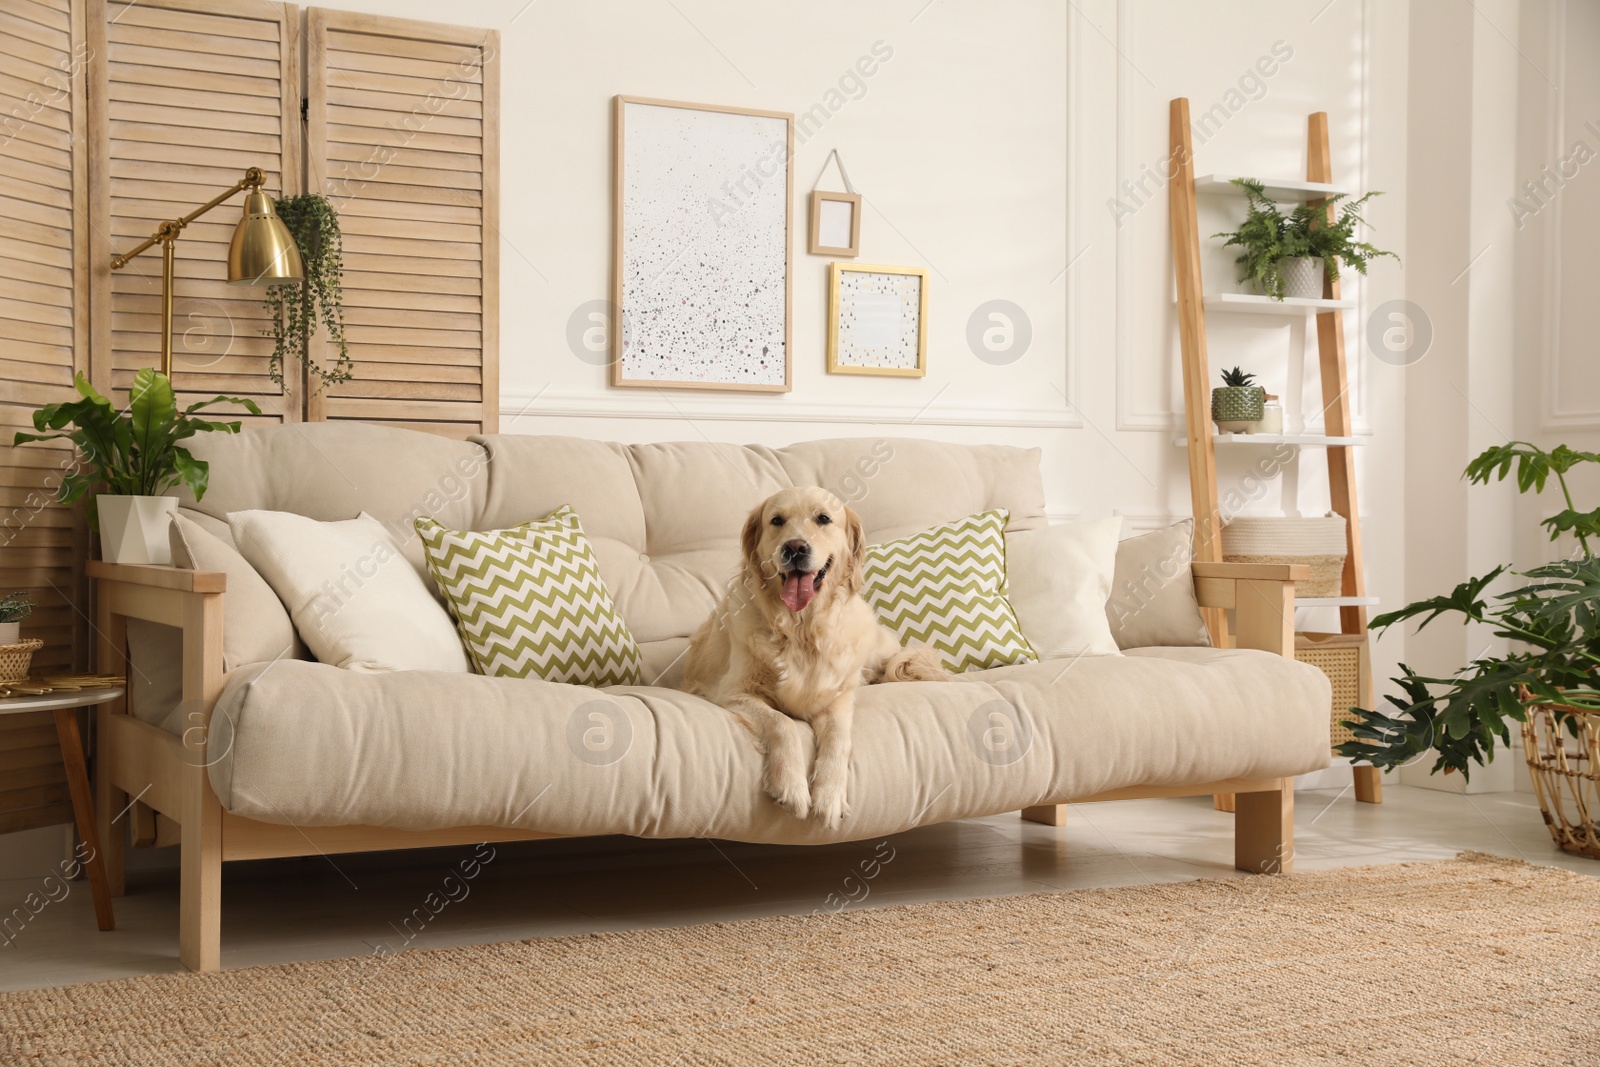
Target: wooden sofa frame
x=142 y=768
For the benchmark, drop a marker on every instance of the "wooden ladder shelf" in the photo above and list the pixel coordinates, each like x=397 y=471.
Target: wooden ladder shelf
x=1335 y=380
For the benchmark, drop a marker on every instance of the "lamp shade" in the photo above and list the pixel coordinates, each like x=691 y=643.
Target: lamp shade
x=263 y=250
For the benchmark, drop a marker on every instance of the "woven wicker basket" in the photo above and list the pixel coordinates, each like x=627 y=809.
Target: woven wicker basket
x=14 y=659
x=1565 y=767
x=1318 y=543
x=1343 y=658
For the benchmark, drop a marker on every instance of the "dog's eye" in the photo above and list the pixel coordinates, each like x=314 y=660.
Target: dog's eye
x=777 y=520
x=824 y=519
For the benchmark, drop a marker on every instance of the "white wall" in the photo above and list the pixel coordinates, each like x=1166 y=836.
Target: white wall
x=990 y=148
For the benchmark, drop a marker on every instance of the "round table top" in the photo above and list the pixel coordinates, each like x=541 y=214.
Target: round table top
x=79 y=698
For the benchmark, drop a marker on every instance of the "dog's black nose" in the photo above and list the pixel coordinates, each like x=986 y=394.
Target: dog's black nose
x=796 y=550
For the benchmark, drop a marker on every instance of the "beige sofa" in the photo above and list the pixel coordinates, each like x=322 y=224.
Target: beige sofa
x=294 y=757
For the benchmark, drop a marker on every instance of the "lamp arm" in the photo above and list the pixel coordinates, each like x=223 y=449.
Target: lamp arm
x=168 y=231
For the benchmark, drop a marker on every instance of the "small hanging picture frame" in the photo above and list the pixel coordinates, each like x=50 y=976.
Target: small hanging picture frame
x=835 y=224
x=835 y=217
x=877 y=320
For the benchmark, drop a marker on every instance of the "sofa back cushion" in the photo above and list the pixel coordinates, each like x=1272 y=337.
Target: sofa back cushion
x=664 y=519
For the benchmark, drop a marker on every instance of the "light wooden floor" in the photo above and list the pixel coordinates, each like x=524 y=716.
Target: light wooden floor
x=348 y=905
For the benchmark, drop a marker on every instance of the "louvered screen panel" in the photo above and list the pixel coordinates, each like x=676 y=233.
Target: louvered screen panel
x=43 y=341
x=191 y=94
x=403 y=137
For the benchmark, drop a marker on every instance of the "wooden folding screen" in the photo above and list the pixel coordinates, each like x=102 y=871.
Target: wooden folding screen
x=403 y=136
x=43 y=342
x=188 y=95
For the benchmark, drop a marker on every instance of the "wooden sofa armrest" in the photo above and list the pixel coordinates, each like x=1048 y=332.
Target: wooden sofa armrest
x=1261 y=596
x=178 y=578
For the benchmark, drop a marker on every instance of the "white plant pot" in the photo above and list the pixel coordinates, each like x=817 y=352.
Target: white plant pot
x=133 y=529
x=10 y=633
x=1302 y=278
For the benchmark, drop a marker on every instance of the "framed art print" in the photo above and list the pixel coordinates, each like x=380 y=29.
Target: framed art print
x=877 y=320
x=701 y=263
x=835 y=224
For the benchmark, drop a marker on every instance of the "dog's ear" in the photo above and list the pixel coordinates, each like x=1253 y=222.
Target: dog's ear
x=856 y=536
x=750 y=546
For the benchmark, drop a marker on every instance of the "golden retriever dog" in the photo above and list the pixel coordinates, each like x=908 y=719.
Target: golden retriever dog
x=793 y=639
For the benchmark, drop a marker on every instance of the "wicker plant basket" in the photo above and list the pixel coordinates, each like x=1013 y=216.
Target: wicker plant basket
x=14 y=659
x=1565 y=766
x=1318 y=543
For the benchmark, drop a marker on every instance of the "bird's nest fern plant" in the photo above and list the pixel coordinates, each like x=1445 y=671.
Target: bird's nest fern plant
x=1552 y=619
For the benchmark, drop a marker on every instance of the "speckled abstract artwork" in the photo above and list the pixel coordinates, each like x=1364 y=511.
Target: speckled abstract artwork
x=879 y=319
x=703 y=274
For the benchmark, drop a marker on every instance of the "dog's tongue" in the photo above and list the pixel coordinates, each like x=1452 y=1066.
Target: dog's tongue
x=798 y=589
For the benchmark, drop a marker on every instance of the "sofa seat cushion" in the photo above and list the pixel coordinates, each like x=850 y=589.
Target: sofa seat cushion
x=309 y=744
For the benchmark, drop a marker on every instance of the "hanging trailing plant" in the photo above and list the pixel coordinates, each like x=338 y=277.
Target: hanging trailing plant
x=298 y=309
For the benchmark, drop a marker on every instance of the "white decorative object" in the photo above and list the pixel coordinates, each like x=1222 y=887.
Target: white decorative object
x=877 y=320
x=10 y=633
x=1271 y=416
x=1302 y=278
x=133 y=529
x=354 y=599
x=1058 y=580
x=701 y=265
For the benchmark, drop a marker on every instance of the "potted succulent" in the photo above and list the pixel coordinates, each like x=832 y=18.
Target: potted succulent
x=133 y=456
x=1289 y=255
x=1548 y=682
x=14 y=608
x=1236 y=405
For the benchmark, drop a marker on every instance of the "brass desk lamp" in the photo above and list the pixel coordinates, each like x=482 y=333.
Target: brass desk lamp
x=262 y=252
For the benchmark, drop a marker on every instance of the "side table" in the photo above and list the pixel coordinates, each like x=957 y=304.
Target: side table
x=63 y=704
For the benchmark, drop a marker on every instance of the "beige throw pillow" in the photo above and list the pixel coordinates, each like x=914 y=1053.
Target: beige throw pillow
x=353 y=597
x=1152 y=594
x=255 y=625
x=1059 y=577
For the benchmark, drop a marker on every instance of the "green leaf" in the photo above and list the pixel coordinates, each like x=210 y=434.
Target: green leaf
x=1466 y=599
x=1570 y=521
x=196 y=473
x=201 y=405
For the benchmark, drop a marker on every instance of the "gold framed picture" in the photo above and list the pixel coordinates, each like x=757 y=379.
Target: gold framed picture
x=877 y=320
x=702 y=238
x=835 y=224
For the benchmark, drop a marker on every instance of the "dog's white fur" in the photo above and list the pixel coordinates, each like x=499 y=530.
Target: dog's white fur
x=771 y=665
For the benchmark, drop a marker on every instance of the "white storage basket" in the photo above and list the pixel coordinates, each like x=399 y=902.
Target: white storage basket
x=1318 y=543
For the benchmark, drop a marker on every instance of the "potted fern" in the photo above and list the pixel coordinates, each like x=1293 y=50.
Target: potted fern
x=1237 y=406
x=1549 y=682
x=1289 y=255
x=133 y=456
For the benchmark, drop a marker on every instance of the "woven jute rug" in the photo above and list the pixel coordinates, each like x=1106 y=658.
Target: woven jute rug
x=1476 y=961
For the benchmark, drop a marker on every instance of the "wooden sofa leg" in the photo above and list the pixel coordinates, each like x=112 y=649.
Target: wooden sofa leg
x=1263 y=831
x=1047 y=814
x=1369 y=784
x=200 y=885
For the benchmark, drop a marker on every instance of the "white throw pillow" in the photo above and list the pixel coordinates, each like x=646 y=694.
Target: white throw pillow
x=1059 y=579
x=354 y=599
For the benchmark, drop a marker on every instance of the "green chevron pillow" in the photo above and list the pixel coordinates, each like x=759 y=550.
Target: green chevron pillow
x=530 y=601
x=946 y=588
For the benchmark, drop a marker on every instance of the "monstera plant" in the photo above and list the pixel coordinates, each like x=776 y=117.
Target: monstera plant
x=1551 y=617
x=131 y=457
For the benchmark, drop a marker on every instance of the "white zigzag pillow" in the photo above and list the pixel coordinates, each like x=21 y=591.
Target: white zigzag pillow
x=946 y=588
x=530 y=601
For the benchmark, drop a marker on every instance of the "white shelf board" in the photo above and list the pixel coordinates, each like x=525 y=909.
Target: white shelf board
x=1251 y=304
x=1312 y=440
x=1335 y=601
x=1283 y=191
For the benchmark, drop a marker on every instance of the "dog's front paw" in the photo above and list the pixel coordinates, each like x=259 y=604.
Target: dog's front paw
x=786 y=784
x=828 y=804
